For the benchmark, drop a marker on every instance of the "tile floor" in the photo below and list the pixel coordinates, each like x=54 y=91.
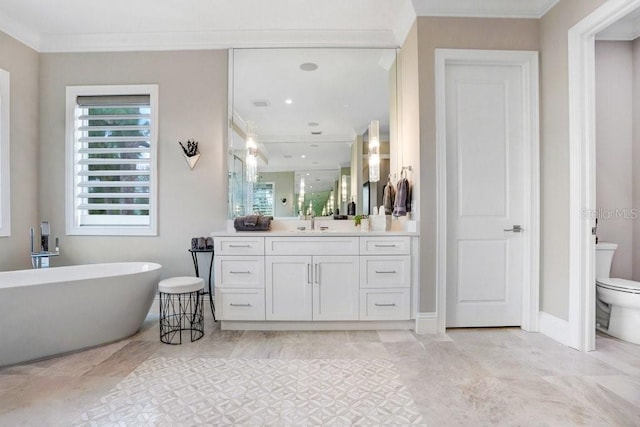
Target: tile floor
x=468 y=377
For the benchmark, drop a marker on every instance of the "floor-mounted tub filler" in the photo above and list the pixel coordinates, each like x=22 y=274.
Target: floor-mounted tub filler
x=52 y=311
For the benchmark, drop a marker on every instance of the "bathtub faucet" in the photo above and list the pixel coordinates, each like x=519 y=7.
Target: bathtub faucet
x=41 y=259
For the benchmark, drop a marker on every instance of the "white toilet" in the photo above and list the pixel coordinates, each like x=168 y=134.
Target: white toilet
x=617 y=300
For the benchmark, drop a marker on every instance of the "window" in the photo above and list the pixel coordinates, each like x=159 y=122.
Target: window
x=263 y=195
x=111 y=160
x=5 y=208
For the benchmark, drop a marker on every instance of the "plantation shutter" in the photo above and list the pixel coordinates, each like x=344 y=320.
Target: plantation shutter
x=113 y=160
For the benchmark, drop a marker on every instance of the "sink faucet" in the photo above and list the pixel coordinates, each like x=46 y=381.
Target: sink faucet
x=313 y=227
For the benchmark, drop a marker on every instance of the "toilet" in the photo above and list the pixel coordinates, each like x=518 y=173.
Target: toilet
x=617 y=300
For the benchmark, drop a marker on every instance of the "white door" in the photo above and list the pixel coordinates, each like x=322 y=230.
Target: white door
x=485 y=189
x=336 y=288
x=288 y=293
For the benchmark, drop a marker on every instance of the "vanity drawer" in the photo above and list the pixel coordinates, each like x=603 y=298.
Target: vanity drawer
x=239 y=271
x=384 y=304
x=383 y=245
x=311 y=245
x=385 y=271
x=238 y=245
x=240 y=304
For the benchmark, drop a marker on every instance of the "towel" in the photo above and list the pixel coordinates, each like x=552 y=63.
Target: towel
x=209 y=242
x=402 y=198
x=252 y=223
x=251 y=220
x=388 y=198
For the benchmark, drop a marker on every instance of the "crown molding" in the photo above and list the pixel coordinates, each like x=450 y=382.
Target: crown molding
x=532 y=9
x=20 y=32
x=217 y=40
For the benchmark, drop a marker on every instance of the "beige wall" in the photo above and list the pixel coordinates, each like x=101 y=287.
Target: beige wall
x=192 y=105
x=614 y=150
x=453 y=33
x=22 y=64
x=554 y=152
x=283 y=182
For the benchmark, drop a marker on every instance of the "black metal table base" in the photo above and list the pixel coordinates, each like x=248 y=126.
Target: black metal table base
x=194 y=257
x=181 y=312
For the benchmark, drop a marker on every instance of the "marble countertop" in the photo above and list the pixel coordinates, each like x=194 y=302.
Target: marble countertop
x=313 y=233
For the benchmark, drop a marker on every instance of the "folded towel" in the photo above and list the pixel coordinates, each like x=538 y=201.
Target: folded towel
x=201 y=243
x=209 y=242
x=251 y=220
x=260 y=223
x=194 y=243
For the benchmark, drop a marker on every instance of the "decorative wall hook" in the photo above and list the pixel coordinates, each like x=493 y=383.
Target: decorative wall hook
x=190 y=152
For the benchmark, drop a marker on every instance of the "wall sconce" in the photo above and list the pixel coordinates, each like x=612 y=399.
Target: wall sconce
x=251 y=161
x=374 y=151
x=343 y=188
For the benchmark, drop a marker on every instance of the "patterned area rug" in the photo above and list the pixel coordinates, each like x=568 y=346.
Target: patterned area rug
x=313 y=392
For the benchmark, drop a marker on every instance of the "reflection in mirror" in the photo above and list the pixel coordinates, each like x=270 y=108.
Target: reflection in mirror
x=308 y=113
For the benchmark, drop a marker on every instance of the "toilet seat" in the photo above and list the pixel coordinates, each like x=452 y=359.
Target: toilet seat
x=620 y=285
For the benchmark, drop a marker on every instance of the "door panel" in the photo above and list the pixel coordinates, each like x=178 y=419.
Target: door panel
x=484 y=109
x=288 y=293
x=336 y=291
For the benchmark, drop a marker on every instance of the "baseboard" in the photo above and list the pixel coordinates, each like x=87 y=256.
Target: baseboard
x=426 y=323
x=555 y=328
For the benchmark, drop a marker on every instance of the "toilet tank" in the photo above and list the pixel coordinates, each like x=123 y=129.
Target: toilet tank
x=604 y=256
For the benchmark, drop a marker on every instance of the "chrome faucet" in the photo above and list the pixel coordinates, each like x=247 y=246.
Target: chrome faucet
x=41 y=259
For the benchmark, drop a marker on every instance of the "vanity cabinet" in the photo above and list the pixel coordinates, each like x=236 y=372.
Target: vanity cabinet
x=313 y=278
x=385 y=278
x=239 y=278
x=312 y=288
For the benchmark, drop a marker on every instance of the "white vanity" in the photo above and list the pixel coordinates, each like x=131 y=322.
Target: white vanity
x=315 y=280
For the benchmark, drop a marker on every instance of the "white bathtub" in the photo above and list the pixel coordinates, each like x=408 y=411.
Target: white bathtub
x=57 y=310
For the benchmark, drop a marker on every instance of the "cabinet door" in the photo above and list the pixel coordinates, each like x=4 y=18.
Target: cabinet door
x=288 y=285
x=335 y=288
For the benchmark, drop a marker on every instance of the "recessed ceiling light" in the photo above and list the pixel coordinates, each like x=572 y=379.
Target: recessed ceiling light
x=308 y=66
x=288 y=101
x=303 y=156
x=307 y=173
x=313 y=124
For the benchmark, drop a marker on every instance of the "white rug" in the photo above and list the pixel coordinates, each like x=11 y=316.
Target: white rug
x=314 y=392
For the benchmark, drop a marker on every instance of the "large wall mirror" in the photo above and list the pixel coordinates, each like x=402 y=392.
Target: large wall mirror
x=299 y=129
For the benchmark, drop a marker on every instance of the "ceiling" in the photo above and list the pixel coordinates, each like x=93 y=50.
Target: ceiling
x=109 y=25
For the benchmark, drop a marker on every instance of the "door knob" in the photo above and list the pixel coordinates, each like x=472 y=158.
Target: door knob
x=515 y=229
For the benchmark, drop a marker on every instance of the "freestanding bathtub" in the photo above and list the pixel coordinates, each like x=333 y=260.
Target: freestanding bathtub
x=57 y=310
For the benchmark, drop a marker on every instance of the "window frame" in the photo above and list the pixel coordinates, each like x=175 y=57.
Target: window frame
x=72 y=216
x=5 y=154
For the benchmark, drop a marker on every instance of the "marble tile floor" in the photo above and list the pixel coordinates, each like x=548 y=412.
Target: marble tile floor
x=468 y=377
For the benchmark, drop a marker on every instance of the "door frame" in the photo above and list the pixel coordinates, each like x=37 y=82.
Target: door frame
x=582 y=169
x=528 y=63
